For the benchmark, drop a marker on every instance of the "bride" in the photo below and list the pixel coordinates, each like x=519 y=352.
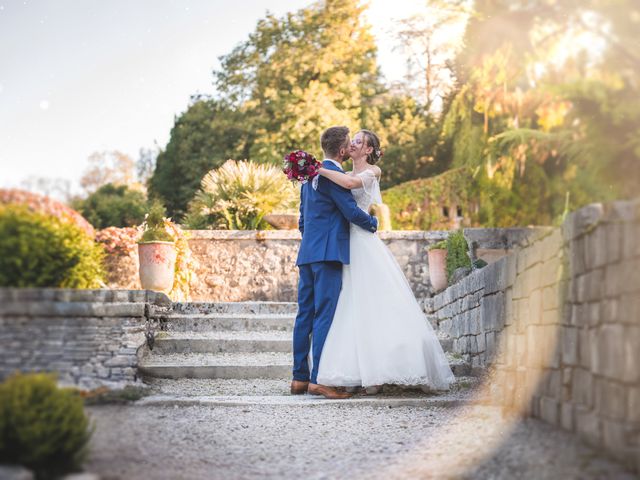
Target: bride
x=379 y=334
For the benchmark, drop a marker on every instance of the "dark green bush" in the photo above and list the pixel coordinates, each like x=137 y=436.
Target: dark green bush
x=38 y=250
x=457 y=253
x=113 y=206
x=44 y=427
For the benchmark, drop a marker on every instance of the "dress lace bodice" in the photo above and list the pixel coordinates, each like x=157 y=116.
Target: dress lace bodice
x=369 y=193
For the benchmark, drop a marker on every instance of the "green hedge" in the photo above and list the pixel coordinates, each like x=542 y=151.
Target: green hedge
x=457 y=253
x=43 y=427
x=38 y=250
x=417 y=204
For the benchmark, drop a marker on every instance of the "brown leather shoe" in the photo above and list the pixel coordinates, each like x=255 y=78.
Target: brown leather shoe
x=299 y=387
x=327 y=392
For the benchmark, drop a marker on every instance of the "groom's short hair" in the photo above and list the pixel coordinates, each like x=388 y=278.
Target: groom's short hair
x=333 y=139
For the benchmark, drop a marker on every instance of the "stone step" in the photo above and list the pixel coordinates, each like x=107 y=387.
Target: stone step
x=276 y=365
x=232 y=392
x=217 y=365
x=225 y=341
x=208 y=387
x=235 y=308
x=427 y=400
x=177 y=322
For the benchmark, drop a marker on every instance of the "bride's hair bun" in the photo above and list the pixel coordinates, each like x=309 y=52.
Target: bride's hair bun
x=372 y=141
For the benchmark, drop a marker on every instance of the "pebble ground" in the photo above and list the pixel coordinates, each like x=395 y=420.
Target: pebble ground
x=334 y=441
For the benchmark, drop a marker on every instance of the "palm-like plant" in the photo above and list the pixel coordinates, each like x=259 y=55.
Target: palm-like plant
x=238 y=195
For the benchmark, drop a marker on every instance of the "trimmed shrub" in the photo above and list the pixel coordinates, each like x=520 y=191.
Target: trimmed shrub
x=457 y=253
x=45 y=205
x=113 y=206
x=44 y=427
x=238 y=195
x=38 y=250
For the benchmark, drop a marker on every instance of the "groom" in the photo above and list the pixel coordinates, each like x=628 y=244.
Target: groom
x=325 y=212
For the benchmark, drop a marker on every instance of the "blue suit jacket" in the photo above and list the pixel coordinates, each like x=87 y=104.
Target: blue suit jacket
x=325 y=215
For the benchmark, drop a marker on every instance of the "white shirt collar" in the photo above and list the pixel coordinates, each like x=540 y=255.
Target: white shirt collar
x=334 y=162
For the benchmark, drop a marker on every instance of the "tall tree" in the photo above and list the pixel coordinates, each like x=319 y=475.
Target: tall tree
x=206 y=135
x=297 y=75
x=541 y=118
x=275 y=92
x=108 y=167
x=430 y=41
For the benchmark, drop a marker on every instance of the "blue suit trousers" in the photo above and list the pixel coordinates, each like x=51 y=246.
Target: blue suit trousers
x=318 y=291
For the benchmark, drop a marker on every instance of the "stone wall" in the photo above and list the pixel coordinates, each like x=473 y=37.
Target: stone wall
x=558 y=321
x=90 y=337
x=260 y=265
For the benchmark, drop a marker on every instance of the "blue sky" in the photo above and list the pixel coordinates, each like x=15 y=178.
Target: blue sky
x=83 y=76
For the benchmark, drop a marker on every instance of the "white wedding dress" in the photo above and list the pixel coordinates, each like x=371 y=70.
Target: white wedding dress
x=379 y=334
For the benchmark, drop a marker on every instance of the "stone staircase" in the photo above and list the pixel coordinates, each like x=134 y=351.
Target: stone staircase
x=217 y=345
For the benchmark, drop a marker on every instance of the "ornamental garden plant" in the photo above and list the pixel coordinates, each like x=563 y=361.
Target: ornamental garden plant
x=42 y=250
x=42 y=427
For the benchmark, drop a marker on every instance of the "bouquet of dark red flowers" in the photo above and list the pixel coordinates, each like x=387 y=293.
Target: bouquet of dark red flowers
x=300 y=166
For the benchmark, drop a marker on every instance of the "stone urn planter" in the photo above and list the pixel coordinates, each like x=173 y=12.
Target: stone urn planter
x=282 y=221
x=157 y=265
x=437 y=258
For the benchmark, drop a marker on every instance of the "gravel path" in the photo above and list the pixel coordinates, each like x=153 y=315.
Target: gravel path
x=334 y=441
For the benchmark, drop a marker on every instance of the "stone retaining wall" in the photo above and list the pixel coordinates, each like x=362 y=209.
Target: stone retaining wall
x=559 y=323
x=260 y=265
x=90 y=337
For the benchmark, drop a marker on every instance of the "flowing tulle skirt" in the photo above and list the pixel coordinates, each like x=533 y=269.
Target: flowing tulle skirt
x=379 y=334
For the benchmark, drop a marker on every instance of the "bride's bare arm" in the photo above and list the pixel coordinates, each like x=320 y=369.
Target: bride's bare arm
x=346 y=181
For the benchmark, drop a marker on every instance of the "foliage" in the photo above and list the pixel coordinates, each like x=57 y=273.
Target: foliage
x=410 y=139
x=45 y=427
x=279 y=89
x=418 y=204
x=38 y=250
x=184 y=266
x=539 y=128
x=238 y=195
x=45 y=205
x=202 y=138
x=441 y=245
x=457 y=253
x=300 y=74
x=113 y=206
x=531 y=113
x=154 y=227
x=118 y=241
